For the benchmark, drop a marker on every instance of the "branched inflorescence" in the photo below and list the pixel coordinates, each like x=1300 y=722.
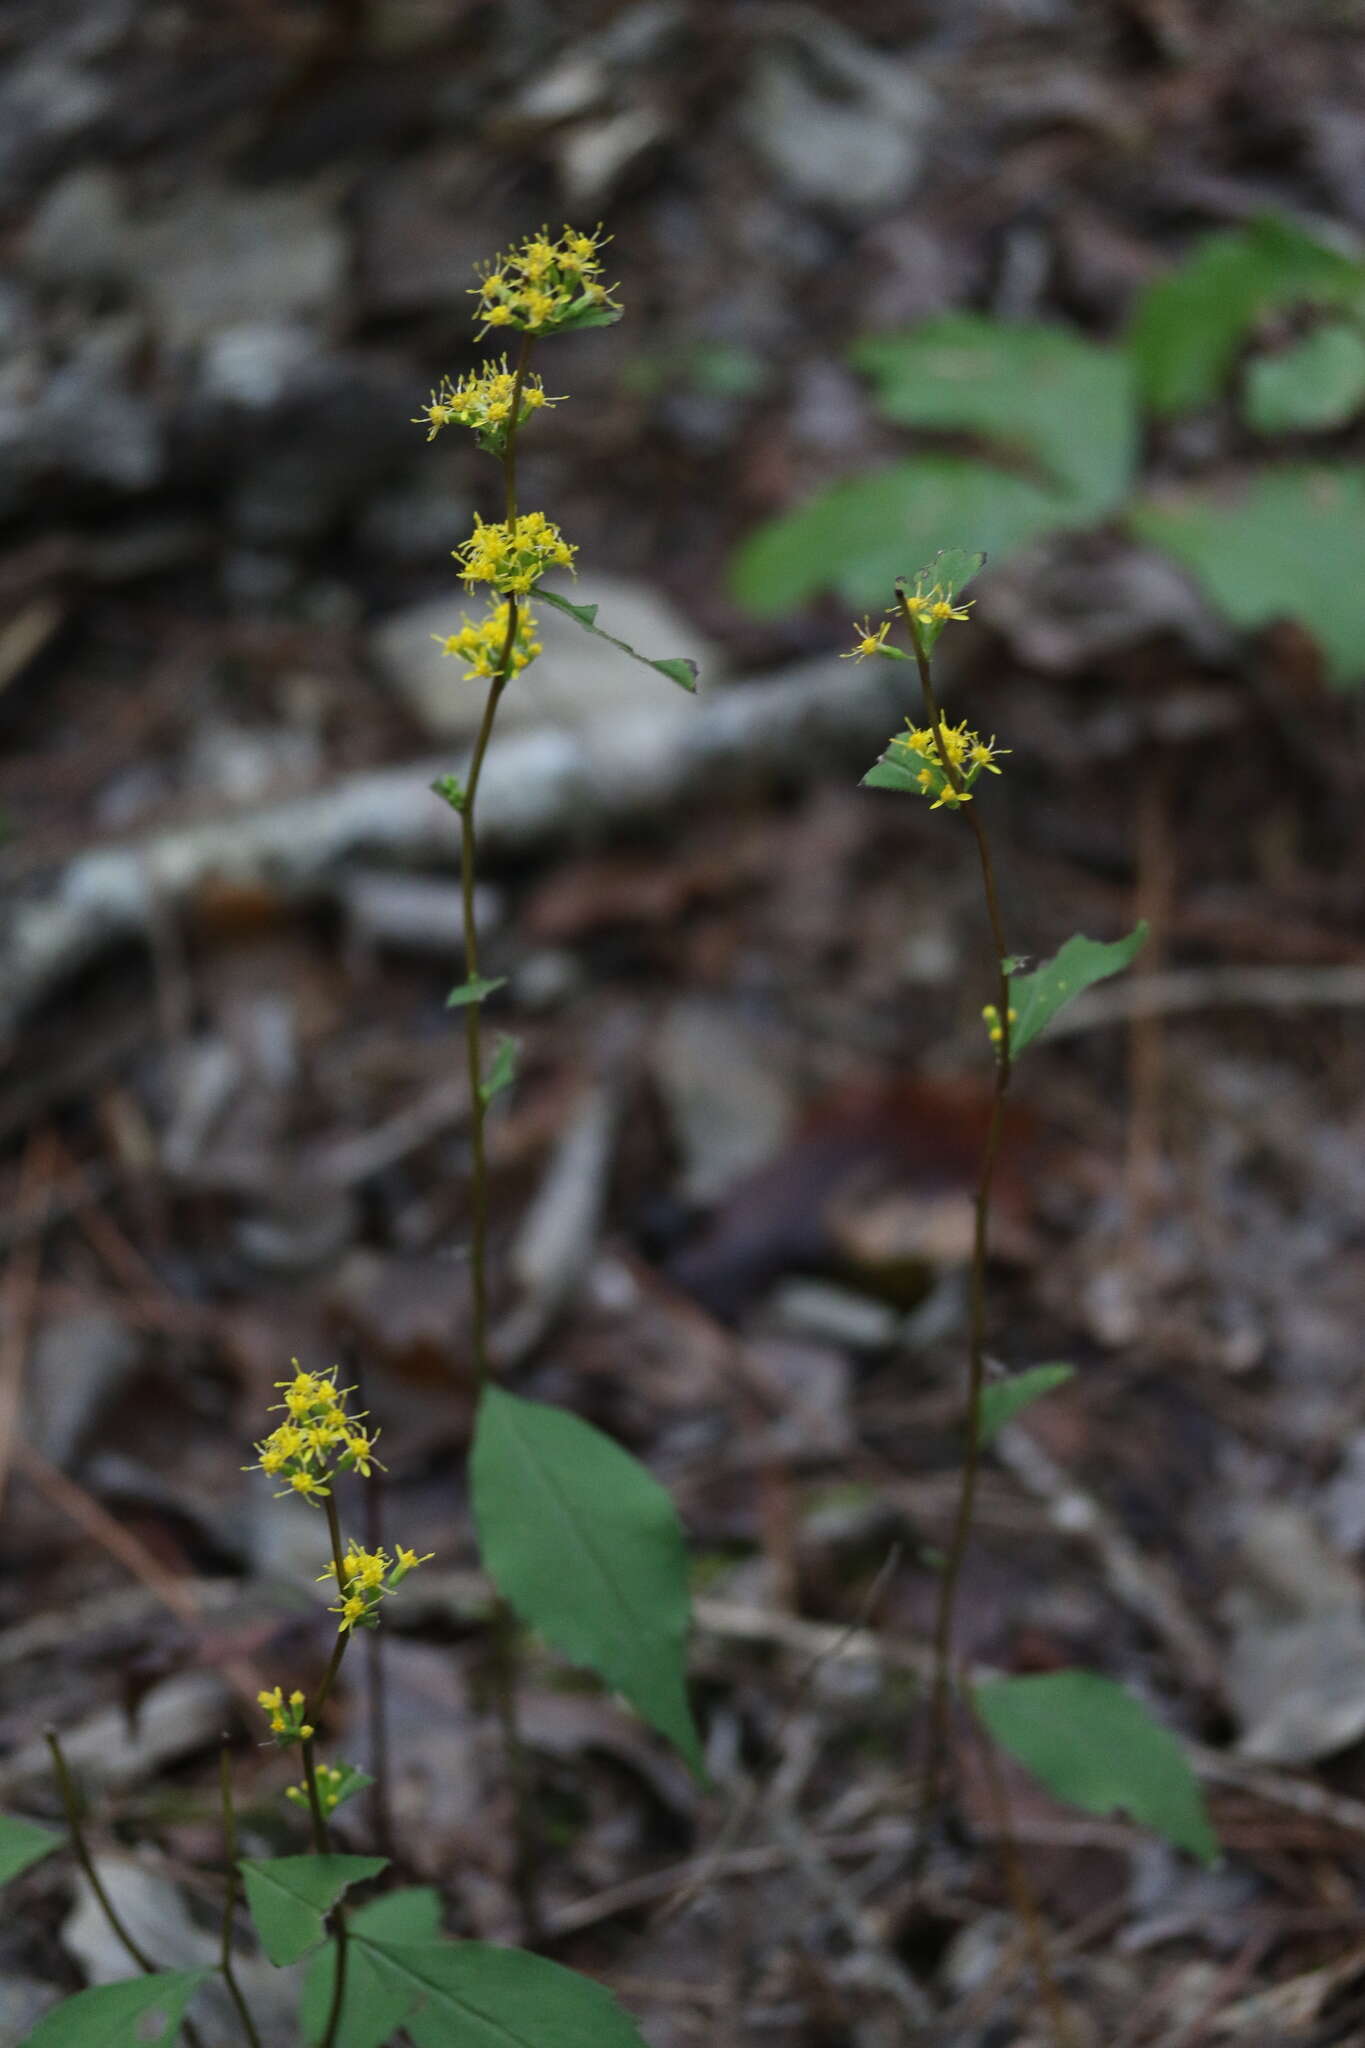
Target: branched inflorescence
x=545 y=286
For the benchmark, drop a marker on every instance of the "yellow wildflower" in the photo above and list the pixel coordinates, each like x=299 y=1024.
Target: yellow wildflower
x=513 y=558
x=867 y=642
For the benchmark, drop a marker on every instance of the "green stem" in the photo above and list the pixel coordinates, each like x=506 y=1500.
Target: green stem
x=71 y=1806
x=225 y=1963
x=951 y=1575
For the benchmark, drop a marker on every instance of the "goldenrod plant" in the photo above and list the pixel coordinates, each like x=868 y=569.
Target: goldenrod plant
x=580 y=1540
x=1088 y=1739
x=373 y=1968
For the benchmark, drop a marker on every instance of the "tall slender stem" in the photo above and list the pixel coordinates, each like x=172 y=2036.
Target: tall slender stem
x=504 y=1674
x=951 y=1575
x=71 y=1806
x=226 y=1968
x=321 y=1838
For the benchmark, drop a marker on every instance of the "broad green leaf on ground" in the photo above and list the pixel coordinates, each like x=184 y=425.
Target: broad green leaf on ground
x=1095 y=1746
x=141 y=2012
x=1037 y=997
x=477 y=990
x=476 y=1996
x=1002 y=1400
x=290 y=1895
x=376 y=2001
x=587 y=1547
x=502 y=1068
x=1043 y=399
x=857 y=537
x=23 y=1842
x=676 y=667
x=1189 y=325
x=1317 y=384
x=1285 y=544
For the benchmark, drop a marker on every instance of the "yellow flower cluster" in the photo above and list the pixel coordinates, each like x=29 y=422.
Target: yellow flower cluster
x=367 y=1577
x=546 y=285
x=936 y=604
x=991 y=1014
x=482 y=645
x=513 y=558
x=483 y=403
x=317 y=1439
x=335 y=1782
x=286 y=1715
x=969 y=754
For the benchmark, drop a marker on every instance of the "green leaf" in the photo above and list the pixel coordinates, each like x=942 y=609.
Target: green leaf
x=476 y=1996
x=857 y=537
x=140 y=2012
x=289 y=1896
x=951 y=570
x=23 y=1842
x=476 y=990
x=889 y=773
x=1037 y=997
x=1041 y=397
x=1287 y=544
x=1189 y=326
x=502 y=1069
x=1002 y=1400
x=677 y=668
x=1093 y=1745
x=591 y=316
x=376 y=2002
x=586 y=1545
x=1316 y=385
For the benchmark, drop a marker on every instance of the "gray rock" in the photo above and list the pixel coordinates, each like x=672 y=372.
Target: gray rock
x=218 y=258
x=80 y=1363
x=578 y=680
x=729 y=1109
x=840 y=124
x=835 y=1315
x=79 y=231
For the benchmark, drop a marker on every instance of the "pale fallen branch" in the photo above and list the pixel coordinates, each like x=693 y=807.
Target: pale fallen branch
x=539 y=786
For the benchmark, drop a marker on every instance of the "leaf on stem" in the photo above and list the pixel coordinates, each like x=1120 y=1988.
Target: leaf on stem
x=1002 y=1400
x=476 y=990
x=483 y=1997
x=502 y=1069
x=587 y=1547
x=290 y=1895
x=1095 y=1746
x=140 y=2012
x=23 y=1842
x=1038 y=997
x=377 y=2002
x=677 y=668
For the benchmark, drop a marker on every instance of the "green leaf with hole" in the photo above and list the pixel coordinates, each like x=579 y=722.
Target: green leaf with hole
x=1310 y=388
x=502 y=1069
x=1095 y=1746
x=140 y=2012
x=468 y=1994
x=857 y=537
x=1190 y=325
x=1041 y=399
x=677 y=667
x=587 y=1547
x=476 y=990
x=290 y=1896
x=376 y=2002
x=1037 y=997
x=1285 y=544
x=1002 y=1400
x=23 y=1842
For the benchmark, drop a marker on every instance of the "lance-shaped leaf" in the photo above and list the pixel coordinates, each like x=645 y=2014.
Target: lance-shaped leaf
x=377 y=2001
x=502 y=1069
x=476 y=1996
x=290 y=1895
x=1037 y=997
x=476 y=990
x=677 y=667
x=1095 y=1746
x=586 y=1545
x=1002 y=1400
x=23 y=1842
x=141 y=2012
